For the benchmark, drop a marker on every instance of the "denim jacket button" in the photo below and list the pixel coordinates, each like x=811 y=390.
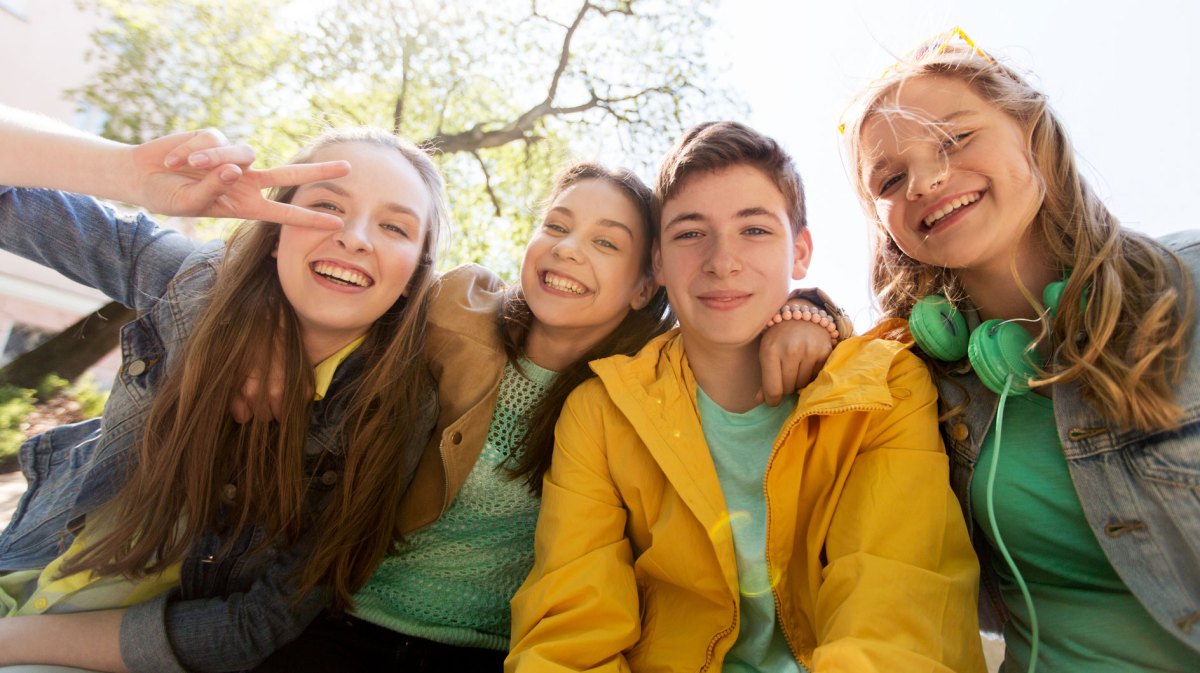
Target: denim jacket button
x=136 y=368
x=960 y=432
x=228 y=492
x=329 y=478
x=312 y=448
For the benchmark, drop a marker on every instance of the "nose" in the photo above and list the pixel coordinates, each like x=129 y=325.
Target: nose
x=568 y=248
x=355 y=235
x=926 y=176
x=722 y=259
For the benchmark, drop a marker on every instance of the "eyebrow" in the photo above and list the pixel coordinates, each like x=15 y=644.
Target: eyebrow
x=605 y=221
x=753 y=211
x=882 y=161
x=340 y=191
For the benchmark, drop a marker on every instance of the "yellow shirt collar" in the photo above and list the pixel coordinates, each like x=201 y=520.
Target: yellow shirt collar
x=323 y=372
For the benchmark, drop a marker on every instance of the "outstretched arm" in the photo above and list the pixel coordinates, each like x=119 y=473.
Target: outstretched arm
x=83 y=640
x=197 y=173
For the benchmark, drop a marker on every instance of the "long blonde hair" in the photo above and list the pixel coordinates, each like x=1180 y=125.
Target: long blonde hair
x=1128 y=347
x=191 y=448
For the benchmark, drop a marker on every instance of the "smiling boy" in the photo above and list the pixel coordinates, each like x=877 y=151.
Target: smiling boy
x=686 y=527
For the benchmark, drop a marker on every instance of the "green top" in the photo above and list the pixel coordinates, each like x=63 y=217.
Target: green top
x=1087 y=618
x=741 y=445
x=452 y=581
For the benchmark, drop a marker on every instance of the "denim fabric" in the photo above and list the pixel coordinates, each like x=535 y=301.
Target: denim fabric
x=1140 y=491
x=231 y=610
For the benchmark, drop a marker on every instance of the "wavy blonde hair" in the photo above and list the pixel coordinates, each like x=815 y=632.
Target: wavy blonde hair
x=1139 y=298
x=190 y=447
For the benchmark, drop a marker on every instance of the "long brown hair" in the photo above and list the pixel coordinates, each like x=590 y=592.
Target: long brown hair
x=191 y=448
x=535 y=446
x=1139 y=298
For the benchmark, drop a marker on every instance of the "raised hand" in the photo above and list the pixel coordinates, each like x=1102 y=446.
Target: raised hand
x=199 y=173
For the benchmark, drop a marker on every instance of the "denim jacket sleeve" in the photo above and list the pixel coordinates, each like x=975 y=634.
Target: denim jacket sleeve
x=128 y=258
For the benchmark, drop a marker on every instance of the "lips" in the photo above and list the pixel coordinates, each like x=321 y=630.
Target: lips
x=948 y=207
x=563 y=283
x=341 y=274
x=724 y=300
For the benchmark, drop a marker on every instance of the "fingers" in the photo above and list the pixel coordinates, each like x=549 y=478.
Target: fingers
x=772 y=378
x=199 y=197
x=242 y=405
x=190 y=142
x=298 y=174
x=295 y=216
x=242 y=155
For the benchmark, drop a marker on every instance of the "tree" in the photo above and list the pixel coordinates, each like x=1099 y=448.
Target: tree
x=505 y=90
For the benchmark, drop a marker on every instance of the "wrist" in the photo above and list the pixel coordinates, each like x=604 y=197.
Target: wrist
x=794 y=310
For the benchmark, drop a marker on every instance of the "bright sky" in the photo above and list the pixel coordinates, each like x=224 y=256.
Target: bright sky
x=1123 y=76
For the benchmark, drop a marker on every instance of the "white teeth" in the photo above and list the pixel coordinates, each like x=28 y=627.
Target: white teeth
x=564 y=284
x=950 y=208
x=348 y=276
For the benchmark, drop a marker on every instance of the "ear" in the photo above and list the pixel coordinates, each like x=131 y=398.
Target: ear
x=656 y=263
x=803 y=254
x=645 y=291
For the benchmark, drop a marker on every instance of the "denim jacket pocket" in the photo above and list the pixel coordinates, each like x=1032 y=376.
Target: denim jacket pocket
x=55 y=464
x=1170 y=466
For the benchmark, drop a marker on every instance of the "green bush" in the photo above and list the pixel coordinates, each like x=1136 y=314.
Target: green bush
x=15 y=405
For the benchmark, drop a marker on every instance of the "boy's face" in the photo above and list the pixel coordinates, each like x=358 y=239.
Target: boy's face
x=726 y=255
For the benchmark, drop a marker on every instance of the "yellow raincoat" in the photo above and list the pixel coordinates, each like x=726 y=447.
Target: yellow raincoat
x=866 y=545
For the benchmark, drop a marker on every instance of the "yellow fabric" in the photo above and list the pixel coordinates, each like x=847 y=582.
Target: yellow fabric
x=37 y=591
x=323 y=372
x=635 y=566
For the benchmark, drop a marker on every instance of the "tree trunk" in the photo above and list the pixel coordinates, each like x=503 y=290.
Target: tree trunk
x=72 y=351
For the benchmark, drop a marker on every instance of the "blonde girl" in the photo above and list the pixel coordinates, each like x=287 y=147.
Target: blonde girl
x=1083 y=491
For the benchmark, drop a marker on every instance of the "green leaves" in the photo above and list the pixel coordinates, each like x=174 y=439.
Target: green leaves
x=507 y=90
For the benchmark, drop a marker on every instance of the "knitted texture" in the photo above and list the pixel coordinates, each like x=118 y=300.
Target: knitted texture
x=452 y=580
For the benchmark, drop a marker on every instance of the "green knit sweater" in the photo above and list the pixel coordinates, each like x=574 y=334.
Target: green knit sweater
x=451 y=581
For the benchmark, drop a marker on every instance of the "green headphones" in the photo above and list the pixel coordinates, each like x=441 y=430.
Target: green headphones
x=996 y=349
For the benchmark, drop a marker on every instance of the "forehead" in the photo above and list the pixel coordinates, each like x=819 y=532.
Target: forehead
x=597 y=198
x=725 y=191
x=378 y=174
x=919 y=108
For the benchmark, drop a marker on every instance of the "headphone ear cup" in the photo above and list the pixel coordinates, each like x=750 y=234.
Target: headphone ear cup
x=997 y=349
x=1052 y=296
x=938 y=328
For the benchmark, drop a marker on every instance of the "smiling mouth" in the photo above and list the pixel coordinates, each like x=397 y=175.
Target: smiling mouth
x=342 y=275
x=562 y=283
x=937 y=215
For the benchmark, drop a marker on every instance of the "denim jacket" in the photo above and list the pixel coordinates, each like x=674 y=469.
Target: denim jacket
x=1140 y=491
x=232 y=610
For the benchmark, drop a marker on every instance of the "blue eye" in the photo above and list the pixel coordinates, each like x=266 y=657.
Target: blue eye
x=889 y=183
x=396 y=229
x=954 y=141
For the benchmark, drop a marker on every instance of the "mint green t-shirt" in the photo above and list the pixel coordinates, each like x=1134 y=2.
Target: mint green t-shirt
x=741 y=445
x=1087 y=618
x=452 y=580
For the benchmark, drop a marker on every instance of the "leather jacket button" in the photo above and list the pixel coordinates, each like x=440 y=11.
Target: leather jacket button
x=329 y=478
x=960 y=432
x=136 y=368
x=456 y=438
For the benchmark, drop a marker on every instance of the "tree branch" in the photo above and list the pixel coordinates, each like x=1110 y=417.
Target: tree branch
x=487 y=183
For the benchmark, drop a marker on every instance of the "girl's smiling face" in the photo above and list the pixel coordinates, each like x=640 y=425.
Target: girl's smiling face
x=584 y=267
x=339 y=283
x=949 y=175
